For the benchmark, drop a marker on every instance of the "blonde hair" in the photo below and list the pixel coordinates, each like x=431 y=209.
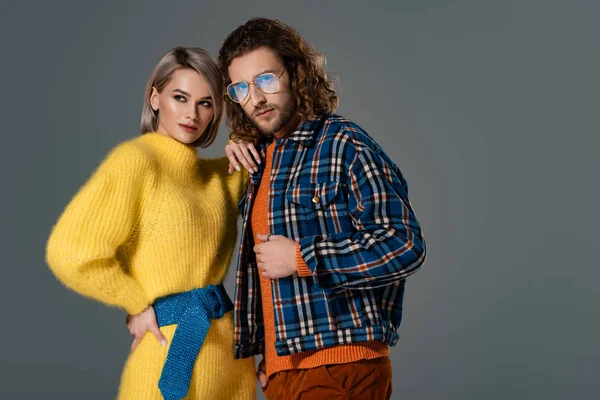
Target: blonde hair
x=185 y=58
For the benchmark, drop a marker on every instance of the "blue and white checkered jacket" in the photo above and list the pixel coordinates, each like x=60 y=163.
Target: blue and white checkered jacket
x=335 y=191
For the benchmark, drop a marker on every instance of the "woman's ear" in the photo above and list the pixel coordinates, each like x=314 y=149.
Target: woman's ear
x=154 y=103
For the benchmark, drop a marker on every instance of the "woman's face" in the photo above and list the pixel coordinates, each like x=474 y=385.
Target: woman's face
x=185 y=107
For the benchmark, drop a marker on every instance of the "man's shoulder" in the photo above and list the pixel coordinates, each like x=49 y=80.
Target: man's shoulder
x=338 y=128
x=335 y=122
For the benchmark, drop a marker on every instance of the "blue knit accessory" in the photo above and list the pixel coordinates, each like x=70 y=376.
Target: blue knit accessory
x=192 y=311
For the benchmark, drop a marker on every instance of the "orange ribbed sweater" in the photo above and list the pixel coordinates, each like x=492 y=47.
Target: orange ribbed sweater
x=339 y=354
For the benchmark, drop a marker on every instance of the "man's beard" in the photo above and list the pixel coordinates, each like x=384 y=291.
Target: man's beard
x=283 y=116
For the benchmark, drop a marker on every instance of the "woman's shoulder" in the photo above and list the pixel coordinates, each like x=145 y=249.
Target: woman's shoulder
x=220 y=166
x=130 y=154
x=215 y=165
x=236 y=181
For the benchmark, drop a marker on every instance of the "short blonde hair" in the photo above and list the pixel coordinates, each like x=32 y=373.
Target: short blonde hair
x=185 y=58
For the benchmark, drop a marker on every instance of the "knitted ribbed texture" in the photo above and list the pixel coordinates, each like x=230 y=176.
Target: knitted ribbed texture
x=310 y=359
x=301 y=266
x=192 y=312
x=154 y=220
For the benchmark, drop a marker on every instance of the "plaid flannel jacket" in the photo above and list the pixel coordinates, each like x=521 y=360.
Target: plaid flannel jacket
x=335 y=191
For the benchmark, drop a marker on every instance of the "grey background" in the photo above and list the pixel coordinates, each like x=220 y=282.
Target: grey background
x=489 y=107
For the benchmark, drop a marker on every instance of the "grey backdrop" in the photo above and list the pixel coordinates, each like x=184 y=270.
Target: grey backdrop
x=489 y=107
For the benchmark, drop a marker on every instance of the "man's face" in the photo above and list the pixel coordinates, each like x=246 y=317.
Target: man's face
x=274 y=113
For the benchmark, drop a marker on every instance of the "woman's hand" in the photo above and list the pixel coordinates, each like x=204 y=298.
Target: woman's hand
x=240 y=152
x=141 y=323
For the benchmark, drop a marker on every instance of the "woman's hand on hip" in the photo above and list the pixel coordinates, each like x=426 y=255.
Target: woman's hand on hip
x=144 y=322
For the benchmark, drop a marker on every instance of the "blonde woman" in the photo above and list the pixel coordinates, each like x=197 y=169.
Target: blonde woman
x=153 y=231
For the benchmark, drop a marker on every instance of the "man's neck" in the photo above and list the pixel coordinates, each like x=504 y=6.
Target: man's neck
x=289 y=127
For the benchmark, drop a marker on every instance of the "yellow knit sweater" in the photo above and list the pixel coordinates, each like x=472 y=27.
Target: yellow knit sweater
x=151 y=221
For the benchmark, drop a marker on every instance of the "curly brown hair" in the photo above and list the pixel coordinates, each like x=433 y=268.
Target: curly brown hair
x=313 y=90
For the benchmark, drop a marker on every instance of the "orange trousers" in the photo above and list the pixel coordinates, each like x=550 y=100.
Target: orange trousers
x=361 y=380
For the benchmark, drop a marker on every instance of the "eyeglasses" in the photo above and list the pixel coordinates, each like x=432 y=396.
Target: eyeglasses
x=266 y=83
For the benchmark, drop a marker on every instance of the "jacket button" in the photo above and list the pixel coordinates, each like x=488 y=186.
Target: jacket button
x=316 y=199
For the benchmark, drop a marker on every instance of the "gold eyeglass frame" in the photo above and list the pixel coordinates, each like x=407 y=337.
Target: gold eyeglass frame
x=254 y=83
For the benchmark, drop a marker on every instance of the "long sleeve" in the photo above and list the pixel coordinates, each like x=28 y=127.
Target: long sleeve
x=386 y=244
x=82 y=249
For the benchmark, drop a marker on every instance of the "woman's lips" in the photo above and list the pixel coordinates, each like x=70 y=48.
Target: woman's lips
x=188 y=128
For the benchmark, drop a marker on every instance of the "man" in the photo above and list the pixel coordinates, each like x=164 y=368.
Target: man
x=328 y=235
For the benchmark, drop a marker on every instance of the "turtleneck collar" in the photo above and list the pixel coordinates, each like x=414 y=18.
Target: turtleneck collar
x=180 y=160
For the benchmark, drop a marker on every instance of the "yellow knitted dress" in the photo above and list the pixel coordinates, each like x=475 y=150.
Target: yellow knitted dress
x=155 y=220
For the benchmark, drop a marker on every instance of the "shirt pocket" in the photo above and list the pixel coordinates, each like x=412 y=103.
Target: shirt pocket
x=315 y=208
x=313 y=196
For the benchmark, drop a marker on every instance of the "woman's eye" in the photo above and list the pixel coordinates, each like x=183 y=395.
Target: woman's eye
x=180 y=98
x=206 y=104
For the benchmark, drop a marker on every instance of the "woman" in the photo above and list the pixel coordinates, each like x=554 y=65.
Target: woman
x=153 y=231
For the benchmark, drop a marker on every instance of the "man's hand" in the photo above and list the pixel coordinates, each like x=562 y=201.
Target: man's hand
x=239 y=151
x=141 y=323
x=261 y=373
x=276 y=257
